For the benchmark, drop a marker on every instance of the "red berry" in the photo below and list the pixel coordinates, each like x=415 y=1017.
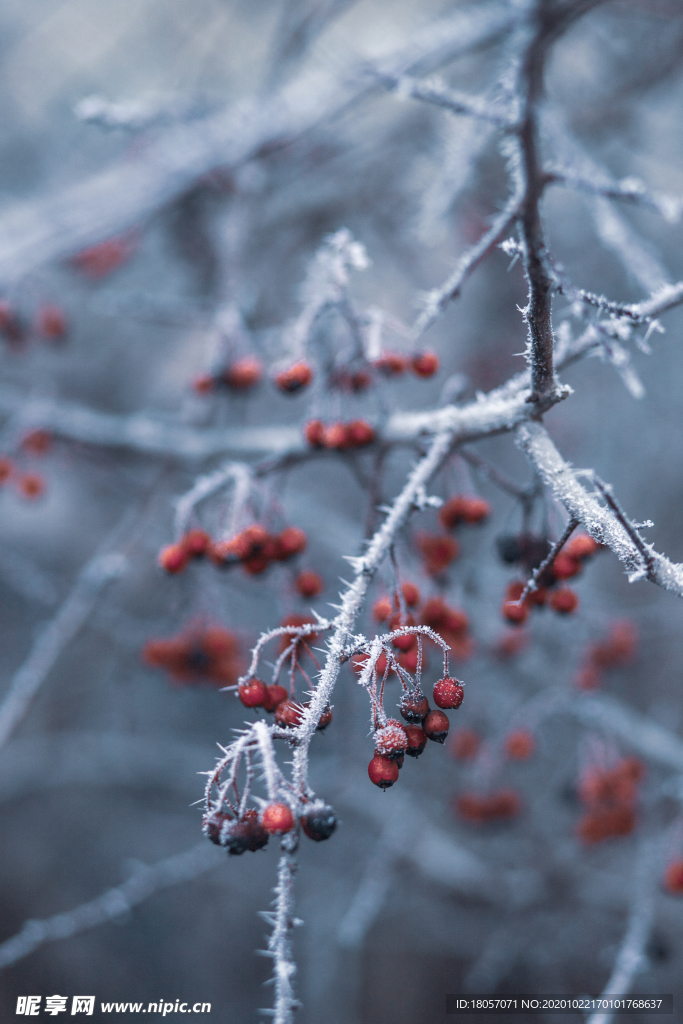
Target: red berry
x=196 y=543
x=314 y=432
x=520 y=745
x=564 y=601
x=382 y=609
x=294 y=378
x=335 y=436
x=204 y=384
x=391 y=364
x=515 y=613
x=511 y=643
x=564 y=567
x=359 y=432
x=408 y=660
x=173 y=558
x=588 y=678
x=243 y=374
x=277 y=818
x=292 y=541
x=437 y=550
x=425 y=364
x=360 y=381
x=606 y=823
x=51 y=322
x=99 y=260
x=253 y=694
x=319 y=821
x=478 y=809
x=275 y=695
x=436 y=726
x=448 y=693
x=288 y=714
x=405 y=642
x=417 y=740
x=256 y=564
x=414 y=706
x=450 y=513
x=673 y=878
x=37 y=442
x=390 y=740
x=382 y=771
x=581 y=546
x=31 y=485
x=475 y=510
x=411 y=595
x=6 y=468
x=309 y=584
x=464 y=744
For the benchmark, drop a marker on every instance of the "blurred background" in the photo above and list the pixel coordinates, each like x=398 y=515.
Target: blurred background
x=408 y=900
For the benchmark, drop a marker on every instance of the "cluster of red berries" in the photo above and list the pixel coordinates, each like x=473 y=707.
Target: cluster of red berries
x=438 y=550
x=29 y=485
x=567 y=563
x=200 y=654
x=519 y=744
x=255 y=548
x=394 y=740
x=393 y=364
x=609 y=796
x=247 y=371
x=97 y=261
x=617 y=649
x=339 y=436
x=251 y=831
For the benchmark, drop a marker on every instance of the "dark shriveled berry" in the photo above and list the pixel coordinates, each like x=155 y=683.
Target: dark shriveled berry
x=319 y=822
x=213 y=824
x=435 y=726
x=246 y=833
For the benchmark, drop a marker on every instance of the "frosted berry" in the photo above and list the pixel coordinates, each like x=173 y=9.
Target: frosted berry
x=314 y=432
x=309 y=584
x=390 y=740
x=425 y=364
x=288 y=714
x=673 y=878
x=173 y=558
x=514 y=613
x=414 y=706
x=520 y=745
x=246 y=833
x=243 y=374
x=359 y=433
x=448 y=693
x=564 y=601
x=277 y=818
x=213 y=824
x=436 y=726
x=253 y=694
x=382 y=771
x=294 y=378
x=319 y=822
x=324 y=719
x=275 y=695
x=417 y=740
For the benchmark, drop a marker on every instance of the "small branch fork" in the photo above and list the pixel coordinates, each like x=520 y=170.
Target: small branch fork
x=532 y=583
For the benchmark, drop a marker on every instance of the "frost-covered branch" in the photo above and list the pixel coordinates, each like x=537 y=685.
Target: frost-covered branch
x=599 y=521
x=280 y=941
